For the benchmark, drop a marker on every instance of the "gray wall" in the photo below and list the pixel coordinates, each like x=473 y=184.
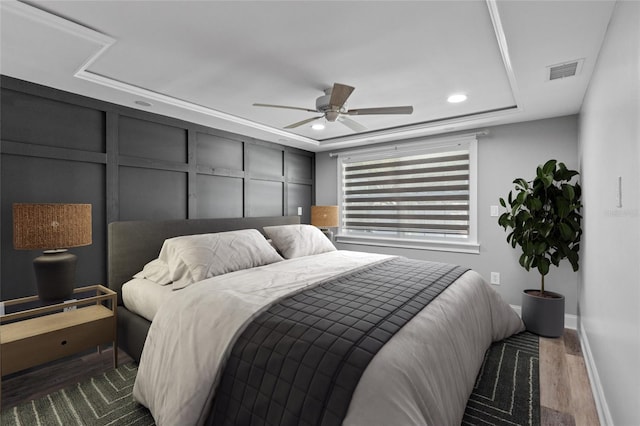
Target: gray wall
x=131 y=165
x=609 y=289
x=507 y=152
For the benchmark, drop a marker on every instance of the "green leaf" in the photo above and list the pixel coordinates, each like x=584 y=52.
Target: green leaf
x=502 y=203
x=560 y=172
x=521 y=183
x=563 y=248
x=562 y=206
x=510 y=236
x=543 y=265
x=572 y=256
x=564 y=174
x=503 y=220
x=539 y=190
x=525 y=261
x=536 y=203
x=578 y=190
x=568 y=192
x=571 y=173
x=523 y=216
x=565 y=231
x=549 y=167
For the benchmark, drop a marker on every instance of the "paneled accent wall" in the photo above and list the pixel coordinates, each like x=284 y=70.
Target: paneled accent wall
x=131 y=165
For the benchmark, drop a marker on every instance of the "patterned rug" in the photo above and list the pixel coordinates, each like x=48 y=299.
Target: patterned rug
x=101 y=400
x=506 y=393
x=507 y=390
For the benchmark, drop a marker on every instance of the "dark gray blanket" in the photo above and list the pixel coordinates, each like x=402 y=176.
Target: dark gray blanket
x=299 y=362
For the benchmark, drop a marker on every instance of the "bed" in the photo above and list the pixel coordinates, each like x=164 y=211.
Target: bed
x=132 y=244
x=190 y=355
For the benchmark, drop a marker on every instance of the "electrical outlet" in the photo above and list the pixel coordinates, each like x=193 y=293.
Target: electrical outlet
x=495 y=278
x=299 y=211
x=495 y=211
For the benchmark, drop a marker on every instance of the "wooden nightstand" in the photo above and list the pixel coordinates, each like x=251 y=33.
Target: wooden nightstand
x=31 y=335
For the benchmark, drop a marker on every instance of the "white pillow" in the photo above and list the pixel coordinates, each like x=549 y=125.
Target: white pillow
x=298 y=240
x=156 y=271
x=193 y=258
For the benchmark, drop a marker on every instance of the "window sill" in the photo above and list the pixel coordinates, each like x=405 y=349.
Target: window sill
x=450 y=246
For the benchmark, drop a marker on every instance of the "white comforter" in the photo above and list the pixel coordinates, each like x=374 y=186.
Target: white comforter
x=423 y=376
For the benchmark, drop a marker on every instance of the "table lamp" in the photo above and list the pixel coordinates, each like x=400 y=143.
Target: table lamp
x=53 y=228
x=325 y=218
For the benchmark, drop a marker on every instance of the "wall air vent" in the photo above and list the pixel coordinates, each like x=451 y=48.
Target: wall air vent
x=565 y=69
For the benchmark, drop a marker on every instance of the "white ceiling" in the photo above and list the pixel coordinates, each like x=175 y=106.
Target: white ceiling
x=209 y=61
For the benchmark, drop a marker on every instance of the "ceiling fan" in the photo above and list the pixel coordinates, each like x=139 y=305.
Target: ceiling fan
x=332 y=107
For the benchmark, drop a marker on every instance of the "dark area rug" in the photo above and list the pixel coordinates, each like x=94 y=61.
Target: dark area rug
x=102 y=400
x=507 y=392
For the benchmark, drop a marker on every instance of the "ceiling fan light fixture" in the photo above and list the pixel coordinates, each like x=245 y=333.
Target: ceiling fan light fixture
x=332 y=115
x=332 y=106
x=456 y=98
x=317 y=126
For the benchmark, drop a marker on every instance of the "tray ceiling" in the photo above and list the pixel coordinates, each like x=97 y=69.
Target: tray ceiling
x=208 y=62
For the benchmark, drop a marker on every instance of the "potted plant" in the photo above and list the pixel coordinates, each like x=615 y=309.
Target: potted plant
x=545 y=221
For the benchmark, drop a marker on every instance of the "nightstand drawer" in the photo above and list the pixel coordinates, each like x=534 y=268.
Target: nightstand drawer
x=32 y=342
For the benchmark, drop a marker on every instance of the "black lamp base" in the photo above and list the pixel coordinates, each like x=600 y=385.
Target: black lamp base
x=55 y=274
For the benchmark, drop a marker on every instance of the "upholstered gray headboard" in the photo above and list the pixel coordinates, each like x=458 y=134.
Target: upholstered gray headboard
x=133 y=244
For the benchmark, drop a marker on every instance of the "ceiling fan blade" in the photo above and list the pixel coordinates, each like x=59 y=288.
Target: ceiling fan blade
x=339 y=94
x=300 y=123
x=383 y=110
x=352 y=124
x=284 y=107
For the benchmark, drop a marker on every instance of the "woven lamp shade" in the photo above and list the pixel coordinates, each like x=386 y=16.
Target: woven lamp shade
x=324 y=216
x=51 y=226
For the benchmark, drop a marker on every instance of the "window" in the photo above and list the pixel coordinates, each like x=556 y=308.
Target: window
x=419 y=195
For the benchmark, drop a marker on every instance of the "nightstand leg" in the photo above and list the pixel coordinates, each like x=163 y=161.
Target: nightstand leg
x=115 y=334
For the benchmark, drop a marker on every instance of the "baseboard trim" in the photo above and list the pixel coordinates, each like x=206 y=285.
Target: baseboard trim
x=570 y=321
x=596 y=385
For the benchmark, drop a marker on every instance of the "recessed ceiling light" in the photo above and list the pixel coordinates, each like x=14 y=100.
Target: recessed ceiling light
x=318 y=126
x=143 y=103
x=458 y=97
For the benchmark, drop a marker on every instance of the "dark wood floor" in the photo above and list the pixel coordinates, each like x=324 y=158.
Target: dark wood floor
x=565 y=392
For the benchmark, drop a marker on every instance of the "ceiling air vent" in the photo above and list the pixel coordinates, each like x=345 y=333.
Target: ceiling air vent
x=565 y=69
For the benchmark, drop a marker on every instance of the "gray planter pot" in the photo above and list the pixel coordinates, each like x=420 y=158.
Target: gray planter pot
x=543 y=316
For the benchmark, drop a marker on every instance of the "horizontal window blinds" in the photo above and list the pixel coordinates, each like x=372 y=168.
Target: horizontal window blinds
x=412 y=195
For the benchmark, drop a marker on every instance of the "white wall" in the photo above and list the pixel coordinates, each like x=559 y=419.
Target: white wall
x=507 y=152
x=609 y=290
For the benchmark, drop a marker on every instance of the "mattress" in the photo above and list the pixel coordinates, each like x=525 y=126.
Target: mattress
x=144 y=297
x=423 y=375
